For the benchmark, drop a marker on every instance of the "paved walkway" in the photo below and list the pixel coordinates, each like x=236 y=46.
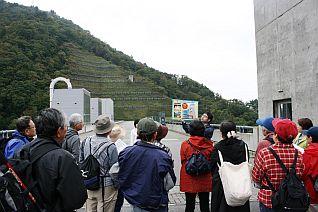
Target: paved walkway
x=177 y=202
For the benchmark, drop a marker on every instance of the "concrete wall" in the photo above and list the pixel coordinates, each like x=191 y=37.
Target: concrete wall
x=96 y=108
x=287 y=55
x=108 y=107
x=71 y=101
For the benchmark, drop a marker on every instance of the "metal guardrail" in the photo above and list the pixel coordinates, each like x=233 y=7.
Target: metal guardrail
x=6 y=133
x=240 y=129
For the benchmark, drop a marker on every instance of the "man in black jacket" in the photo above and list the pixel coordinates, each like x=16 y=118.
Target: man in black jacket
x=59 y=179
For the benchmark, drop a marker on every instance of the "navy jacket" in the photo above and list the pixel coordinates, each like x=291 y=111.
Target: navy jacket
x=143 y=168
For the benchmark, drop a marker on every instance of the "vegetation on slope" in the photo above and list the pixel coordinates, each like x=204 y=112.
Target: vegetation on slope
x=36 y=46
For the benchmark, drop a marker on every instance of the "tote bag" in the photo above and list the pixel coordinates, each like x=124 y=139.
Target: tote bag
x=236 y=181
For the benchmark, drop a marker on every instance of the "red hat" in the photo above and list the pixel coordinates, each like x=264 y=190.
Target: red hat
x=162 y=132
x=285 y=128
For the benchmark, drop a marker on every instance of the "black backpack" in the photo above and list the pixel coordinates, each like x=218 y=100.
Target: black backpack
x=90 y=168
x=197 y=164
x=15 y=197
x=291 y=194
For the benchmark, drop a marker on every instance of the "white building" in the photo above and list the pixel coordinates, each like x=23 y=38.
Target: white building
x=72 y=101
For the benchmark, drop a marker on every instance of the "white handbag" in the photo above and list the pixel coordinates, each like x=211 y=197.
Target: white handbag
x=236 y=181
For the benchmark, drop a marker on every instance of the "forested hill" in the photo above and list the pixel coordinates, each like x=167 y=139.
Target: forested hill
x=37 y=46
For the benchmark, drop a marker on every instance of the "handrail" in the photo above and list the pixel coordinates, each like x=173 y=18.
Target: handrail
x=6 y=133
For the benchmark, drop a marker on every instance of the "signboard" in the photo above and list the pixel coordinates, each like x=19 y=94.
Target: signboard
x=184 y=109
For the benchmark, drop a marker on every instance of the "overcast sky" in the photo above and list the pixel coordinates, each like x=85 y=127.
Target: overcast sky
x=210 y=41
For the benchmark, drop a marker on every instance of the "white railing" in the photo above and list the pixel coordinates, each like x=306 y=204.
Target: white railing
x=251 y=138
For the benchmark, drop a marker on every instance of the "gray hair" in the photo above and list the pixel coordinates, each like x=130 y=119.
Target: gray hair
x=75 y=118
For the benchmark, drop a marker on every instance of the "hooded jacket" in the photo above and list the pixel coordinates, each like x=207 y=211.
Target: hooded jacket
x=15 y=144
x=72 y=143
x=59 y=179
x=310 y=158
x=189 y=183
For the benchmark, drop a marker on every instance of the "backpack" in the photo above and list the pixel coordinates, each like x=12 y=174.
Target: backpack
x=291 y=194
x=90 y=168
x=236 y=181
x=197 y=164
x=18 y=187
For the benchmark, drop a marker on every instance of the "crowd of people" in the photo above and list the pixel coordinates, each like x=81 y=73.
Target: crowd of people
x=142 y=171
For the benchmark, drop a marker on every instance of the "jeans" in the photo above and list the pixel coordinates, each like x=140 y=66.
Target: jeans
x=204 y=201
x=263 y=208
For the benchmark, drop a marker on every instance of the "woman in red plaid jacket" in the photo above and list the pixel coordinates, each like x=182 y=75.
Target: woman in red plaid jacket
x=266 y=164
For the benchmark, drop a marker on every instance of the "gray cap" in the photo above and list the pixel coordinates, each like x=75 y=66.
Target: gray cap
x=103 y=124
x=146 y=126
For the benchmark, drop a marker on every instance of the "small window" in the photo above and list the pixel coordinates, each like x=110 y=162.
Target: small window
x=283 y=108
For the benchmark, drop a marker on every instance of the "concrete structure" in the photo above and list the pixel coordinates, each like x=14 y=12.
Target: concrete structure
x=287 y=57
x=108 y=107
x=52 y=84
x=96 y=108
x=73 y=101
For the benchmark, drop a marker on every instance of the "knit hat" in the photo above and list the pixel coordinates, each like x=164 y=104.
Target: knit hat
x=285 y=129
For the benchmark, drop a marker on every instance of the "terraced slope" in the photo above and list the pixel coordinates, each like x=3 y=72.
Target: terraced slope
x=135 y=99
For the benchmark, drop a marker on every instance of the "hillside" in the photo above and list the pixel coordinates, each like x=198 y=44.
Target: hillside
x=36 y=46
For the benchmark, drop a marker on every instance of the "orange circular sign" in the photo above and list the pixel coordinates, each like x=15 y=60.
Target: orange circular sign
x=184 y=106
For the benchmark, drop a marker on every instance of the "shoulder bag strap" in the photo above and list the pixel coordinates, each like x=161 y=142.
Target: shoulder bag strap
x=220 y=156
x=90 y=146
x=270 y=185
x=246 y=152
x=108 y=149
x=278 y=160
x=41 y=151
x=198 y=151
x=295 y=160
x=102 y=144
